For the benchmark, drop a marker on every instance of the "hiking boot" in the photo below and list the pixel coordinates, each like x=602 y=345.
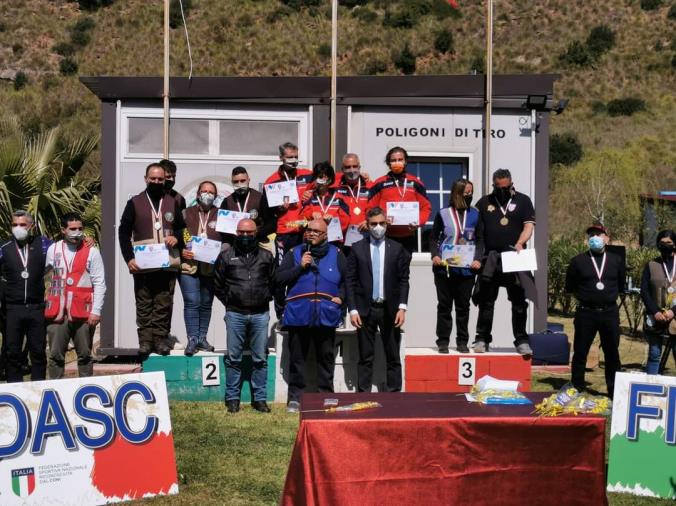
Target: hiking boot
x=191 y=347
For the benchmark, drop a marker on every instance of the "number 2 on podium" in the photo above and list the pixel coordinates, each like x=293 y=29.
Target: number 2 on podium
x=211 y=374
x=467 y=371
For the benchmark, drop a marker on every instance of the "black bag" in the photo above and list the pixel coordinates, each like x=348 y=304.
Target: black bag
x=550 y=348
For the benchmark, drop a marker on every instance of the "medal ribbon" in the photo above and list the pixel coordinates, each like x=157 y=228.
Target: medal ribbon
x=459 y=229
x=505 y=209
x=246 y=201
x=68 y=267
x=670 y=277
x=203 y=224
x=401 y=194
x=157 y=215
x=599 y=272
x=23 y=256
x=321 y=204
x=355 y=198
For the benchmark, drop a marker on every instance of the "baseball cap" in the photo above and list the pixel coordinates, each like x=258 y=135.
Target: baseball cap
x=598 y=229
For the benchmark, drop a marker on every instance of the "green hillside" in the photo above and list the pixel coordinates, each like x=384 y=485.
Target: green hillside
x=268 y=37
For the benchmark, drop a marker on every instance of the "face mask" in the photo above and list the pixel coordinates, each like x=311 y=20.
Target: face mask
x=377 y=232
x=291 y=162
x=596 y=243
x=397 y=167
x=20 y=233
x=503 y=194
x=468 y=200
x=74 y=236
x=207 y=198
x=169 y=184
x=322 y=182
x=245 y=242
x=155 y=189
x=351 y=175
x=665 y=249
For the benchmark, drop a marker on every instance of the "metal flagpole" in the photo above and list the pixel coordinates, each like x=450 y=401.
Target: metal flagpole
x=489 y=95
x=334 y=70
x=165 y=93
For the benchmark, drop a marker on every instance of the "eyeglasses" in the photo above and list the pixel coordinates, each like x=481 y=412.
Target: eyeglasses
x=314 y=231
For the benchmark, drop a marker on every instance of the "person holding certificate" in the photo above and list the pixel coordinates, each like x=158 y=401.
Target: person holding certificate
x=286 y=211
x=245 y=199
x=506 y=223
x=403 y=198
x=596 y=278
x=326 y=203
x=354 y=189
x=150 y=235
x=452 y=250
x=203 y=245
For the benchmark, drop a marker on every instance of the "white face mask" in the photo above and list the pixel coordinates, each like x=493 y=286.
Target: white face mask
x=322 y=182
x=351 y=175
x=242 y=187
x=291 y=162
x=377 y=232
x=207 y=198
x=74 y=236
x=20 y=233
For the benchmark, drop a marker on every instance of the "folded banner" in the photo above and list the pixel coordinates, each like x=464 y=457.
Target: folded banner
x=86 y=441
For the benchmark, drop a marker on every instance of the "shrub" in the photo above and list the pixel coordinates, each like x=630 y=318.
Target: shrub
x=564 y=149
x=374 y=66
x=598 y=107
x=365 y=14
x=300 y=4
x=576 y=54
x=650 y=5
x=63 y=49
x=324 y=50
x=600 y=40
x=277 y=14
x=83 y=25
x=79 y=39
x=175 y=18
x=405 y=60
x=68 y=66
x=625 y=106
x=17 y=48
x=3 y=27
x=442 y=9
x=92 y=5
x=560 y=252
x=443 y=42
x=670 y=15
x=477 y=65
x=20 y=80
x=352 y=3
x=403 y=18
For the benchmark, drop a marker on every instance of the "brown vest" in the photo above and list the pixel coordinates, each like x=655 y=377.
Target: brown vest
x=659 y=283
x=254 y=203
x=191 y=215
x=144 y=224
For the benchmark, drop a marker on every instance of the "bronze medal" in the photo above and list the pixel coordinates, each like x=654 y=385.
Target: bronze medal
x=462 y=241
x=504 y=221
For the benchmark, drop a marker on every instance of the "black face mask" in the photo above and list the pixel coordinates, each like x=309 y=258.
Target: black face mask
x=169 y=184
x=468 y=200
x=503 y=194
x=245 y=243
x=155 y=190
x=241 y=191
x=665 y=250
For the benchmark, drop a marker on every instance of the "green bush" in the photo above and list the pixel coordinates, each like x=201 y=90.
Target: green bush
x=63 y=49
x=576 y=54
x=79 y=39
x=560 y=253
x=637 y=259
x=17 y=49
x=625 y=106
x=175 y=18
x=405 y=60
x=670 y=15
x=598 y=107
x=20 y=80
x=277 y=14
x=324 y=50
x=68 y=66
x=564 y=149
x=3 y=27
x=403 y=18
x=600 y=40
x=300 y=4
x=443 y=42
x=365 y=15
x=374 y=66
x=477 y=65
x=92 y=5
x=650 y=5
x=442 y=10
x=352 y=3
x=83 y=25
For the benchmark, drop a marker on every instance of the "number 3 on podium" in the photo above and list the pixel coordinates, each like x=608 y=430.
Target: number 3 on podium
x=466 y=371
x=211 y=374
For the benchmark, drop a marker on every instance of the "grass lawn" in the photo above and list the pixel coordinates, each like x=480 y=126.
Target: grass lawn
x=242 y=459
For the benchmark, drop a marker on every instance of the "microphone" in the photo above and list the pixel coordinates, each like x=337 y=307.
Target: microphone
x=308 y=248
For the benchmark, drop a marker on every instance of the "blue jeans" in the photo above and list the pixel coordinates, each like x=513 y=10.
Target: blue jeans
x=240 y=329
x=198 y=297
x=655 y=352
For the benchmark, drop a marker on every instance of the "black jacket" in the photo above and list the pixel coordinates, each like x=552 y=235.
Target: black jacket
x=15 y=289
x=244 y=283
x=360 y=276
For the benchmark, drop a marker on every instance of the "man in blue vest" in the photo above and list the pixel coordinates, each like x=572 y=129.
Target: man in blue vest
x=314 y=275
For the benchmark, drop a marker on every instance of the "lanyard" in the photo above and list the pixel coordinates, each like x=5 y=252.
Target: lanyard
x=202 y=231
x=505 y=209
x=157 y=215
x=69 y=267
x=459 y=229
x=23 y=256
x=355 y=197
x=246 y=201
x=670 y=277
x=321 y=203
x=401 y=194
x=599 y=272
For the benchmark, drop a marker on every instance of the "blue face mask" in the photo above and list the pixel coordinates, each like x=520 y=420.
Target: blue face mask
x=596 y=243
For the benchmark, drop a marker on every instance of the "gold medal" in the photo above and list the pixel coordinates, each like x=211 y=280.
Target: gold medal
x=356 y=211
x=504 y=221
x=462 y=241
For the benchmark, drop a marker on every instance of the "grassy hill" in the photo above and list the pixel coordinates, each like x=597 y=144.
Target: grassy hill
x=267 y=37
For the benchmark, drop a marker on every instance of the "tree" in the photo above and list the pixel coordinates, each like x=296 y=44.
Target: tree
x=44 y=175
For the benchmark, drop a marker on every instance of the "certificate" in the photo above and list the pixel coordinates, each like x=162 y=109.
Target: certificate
x=353 y=235
x=227 y=221
x=334 y=231
x=151 y=256
x=458 y=255
x=205 y=250
x=525 y=260
x=282 y=192
x=403 y=213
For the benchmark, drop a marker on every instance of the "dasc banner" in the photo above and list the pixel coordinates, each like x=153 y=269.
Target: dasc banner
x=642 y=458
x=86 y=441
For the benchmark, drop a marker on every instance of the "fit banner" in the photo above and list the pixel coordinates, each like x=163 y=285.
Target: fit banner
x=86 y=441
x=643 y=436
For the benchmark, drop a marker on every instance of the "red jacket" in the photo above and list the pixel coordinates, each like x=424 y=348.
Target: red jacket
x=356 y=199
x=285 y=218
x=385 y=190
x=337 y=207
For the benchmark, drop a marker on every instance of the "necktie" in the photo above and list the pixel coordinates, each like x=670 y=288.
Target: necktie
x=375 y=261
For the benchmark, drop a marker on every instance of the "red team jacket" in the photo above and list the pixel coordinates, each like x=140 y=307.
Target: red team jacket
x=337 y=208
x=292 y=214
x=358 y=200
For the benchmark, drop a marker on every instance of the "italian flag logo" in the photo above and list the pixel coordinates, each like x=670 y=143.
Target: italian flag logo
x=23 y=481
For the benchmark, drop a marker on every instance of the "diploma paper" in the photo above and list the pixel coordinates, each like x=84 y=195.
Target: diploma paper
x=525 y=260
x=403 y=213
x=353 y=235
x=227 y=221
x=334 y=231
x=281 y=192
x=205 y=250
x=458 y=255
x=151 y=256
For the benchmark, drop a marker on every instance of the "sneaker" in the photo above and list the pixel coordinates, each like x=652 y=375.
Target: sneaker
x=479 y=347
x=443 y=350
x=462 y=348
x=261 y=406
x=293 y=407
x=203 y=345
x=191 y=348
x=524 y=349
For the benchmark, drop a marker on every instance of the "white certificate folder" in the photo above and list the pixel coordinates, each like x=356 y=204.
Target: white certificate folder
x=525 y=260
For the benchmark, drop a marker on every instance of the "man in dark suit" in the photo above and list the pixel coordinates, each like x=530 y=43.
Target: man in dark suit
x=377 y=295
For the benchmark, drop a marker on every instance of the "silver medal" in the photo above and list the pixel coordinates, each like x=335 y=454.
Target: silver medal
x=600 y=285
x=70 y=281
x=670 y=289
x=158 y=225
x=24 y=274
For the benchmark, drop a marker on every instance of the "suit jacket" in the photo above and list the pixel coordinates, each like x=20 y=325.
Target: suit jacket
x=359 y=276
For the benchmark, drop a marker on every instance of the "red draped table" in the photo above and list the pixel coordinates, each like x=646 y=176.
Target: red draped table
x=438 y=449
